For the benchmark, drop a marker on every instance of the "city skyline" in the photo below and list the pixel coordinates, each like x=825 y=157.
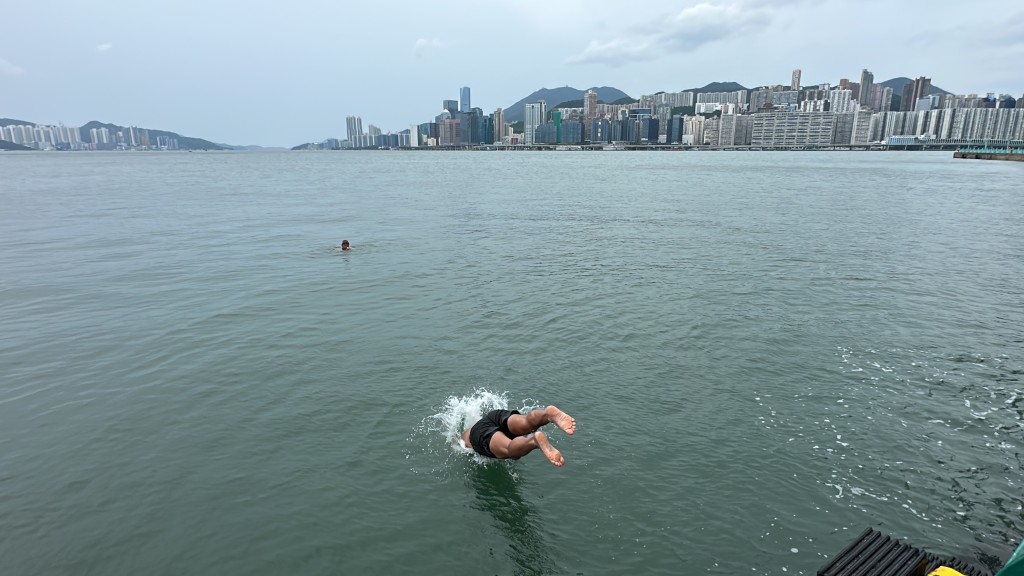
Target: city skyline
x=850 y=113
x=280 y=75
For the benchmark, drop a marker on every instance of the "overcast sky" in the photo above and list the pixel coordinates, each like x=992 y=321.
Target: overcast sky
x=280 y=73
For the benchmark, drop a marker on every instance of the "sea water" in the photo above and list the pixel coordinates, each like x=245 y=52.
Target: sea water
x=765 y=353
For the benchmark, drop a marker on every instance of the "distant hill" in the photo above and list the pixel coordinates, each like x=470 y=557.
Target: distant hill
x=718 y=87
x=897 y=86
x=250 y=148
x=579 y=103
x=5 y=145
x=555 y=96
x=13 y=122
x=184 y=142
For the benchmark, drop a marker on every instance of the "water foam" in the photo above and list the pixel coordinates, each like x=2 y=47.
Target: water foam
x=457 y=414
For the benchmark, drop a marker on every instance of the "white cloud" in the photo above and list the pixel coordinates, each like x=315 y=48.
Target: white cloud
x=8 y=68
x=425 y=44
x=614 y=53
x=104 y=47
x=691 y=28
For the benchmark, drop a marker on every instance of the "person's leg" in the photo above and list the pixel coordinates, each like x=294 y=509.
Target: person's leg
x=522 y=424
x=516 y=448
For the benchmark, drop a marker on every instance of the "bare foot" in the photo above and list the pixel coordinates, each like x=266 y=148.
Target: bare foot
x=563 y=420
x=550 y=451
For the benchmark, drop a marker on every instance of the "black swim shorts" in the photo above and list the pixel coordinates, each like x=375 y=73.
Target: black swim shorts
x=481 y=432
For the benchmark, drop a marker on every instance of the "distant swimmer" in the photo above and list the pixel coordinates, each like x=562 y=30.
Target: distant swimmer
x=345 y=245
x=502 y=434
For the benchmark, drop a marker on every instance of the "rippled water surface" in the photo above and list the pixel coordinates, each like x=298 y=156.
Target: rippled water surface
x=765 y=353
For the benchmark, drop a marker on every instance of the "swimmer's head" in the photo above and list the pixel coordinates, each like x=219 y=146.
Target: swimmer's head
x=345 y=245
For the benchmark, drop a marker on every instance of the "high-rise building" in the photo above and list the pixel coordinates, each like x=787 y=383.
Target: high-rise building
x=499 y=125
x=735 y=130
x=373 y=134
x=450 y=105
x=487 y=129
x=794 y=83
x=914 y=91
x=796 y=129
x=464 y=99
x=840 y=101
x=885 y=104
x=906 y=96
x=922 y=87
x=867 y=82
x=354 y=131
x=533 y=116
x=590 y=104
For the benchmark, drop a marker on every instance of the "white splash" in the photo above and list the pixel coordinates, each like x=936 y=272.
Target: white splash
x=458 y=413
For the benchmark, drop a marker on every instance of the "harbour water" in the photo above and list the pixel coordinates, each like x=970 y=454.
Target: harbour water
x=765 y=353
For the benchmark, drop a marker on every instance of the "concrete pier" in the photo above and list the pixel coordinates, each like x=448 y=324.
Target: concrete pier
x=1014 y=155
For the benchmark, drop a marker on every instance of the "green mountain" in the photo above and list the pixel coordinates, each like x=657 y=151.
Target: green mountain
x=554 y=96
x=13 y=122
x=184 y=142
x=718 y=87
x=249 y=148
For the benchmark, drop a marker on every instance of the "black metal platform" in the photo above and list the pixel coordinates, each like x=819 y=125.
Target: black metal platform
x=873 y=554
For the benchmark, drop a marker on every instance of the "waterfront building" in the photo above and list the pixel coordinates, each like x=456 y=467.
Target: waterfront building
x=428 y=132
x=487 y=129
x=373 y=134
x=600 y=130
x=842 y=133
x=465 y=121
x=712 y=128
x=353 y=131
x=449 y=132
x=572 y=132
x=693 y=130
x=663 y=112
x=735 y=130
x=500 y=129
x=475 y=120
x=615 y=130
x=464 y=99
x=673 y=129
x=534 y=115
x=649 y=129
x=861 y=127
x=793 y=129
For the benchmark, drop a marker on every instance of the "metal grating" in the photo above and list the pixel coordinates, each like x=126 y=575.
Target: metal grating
x=873 y=554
